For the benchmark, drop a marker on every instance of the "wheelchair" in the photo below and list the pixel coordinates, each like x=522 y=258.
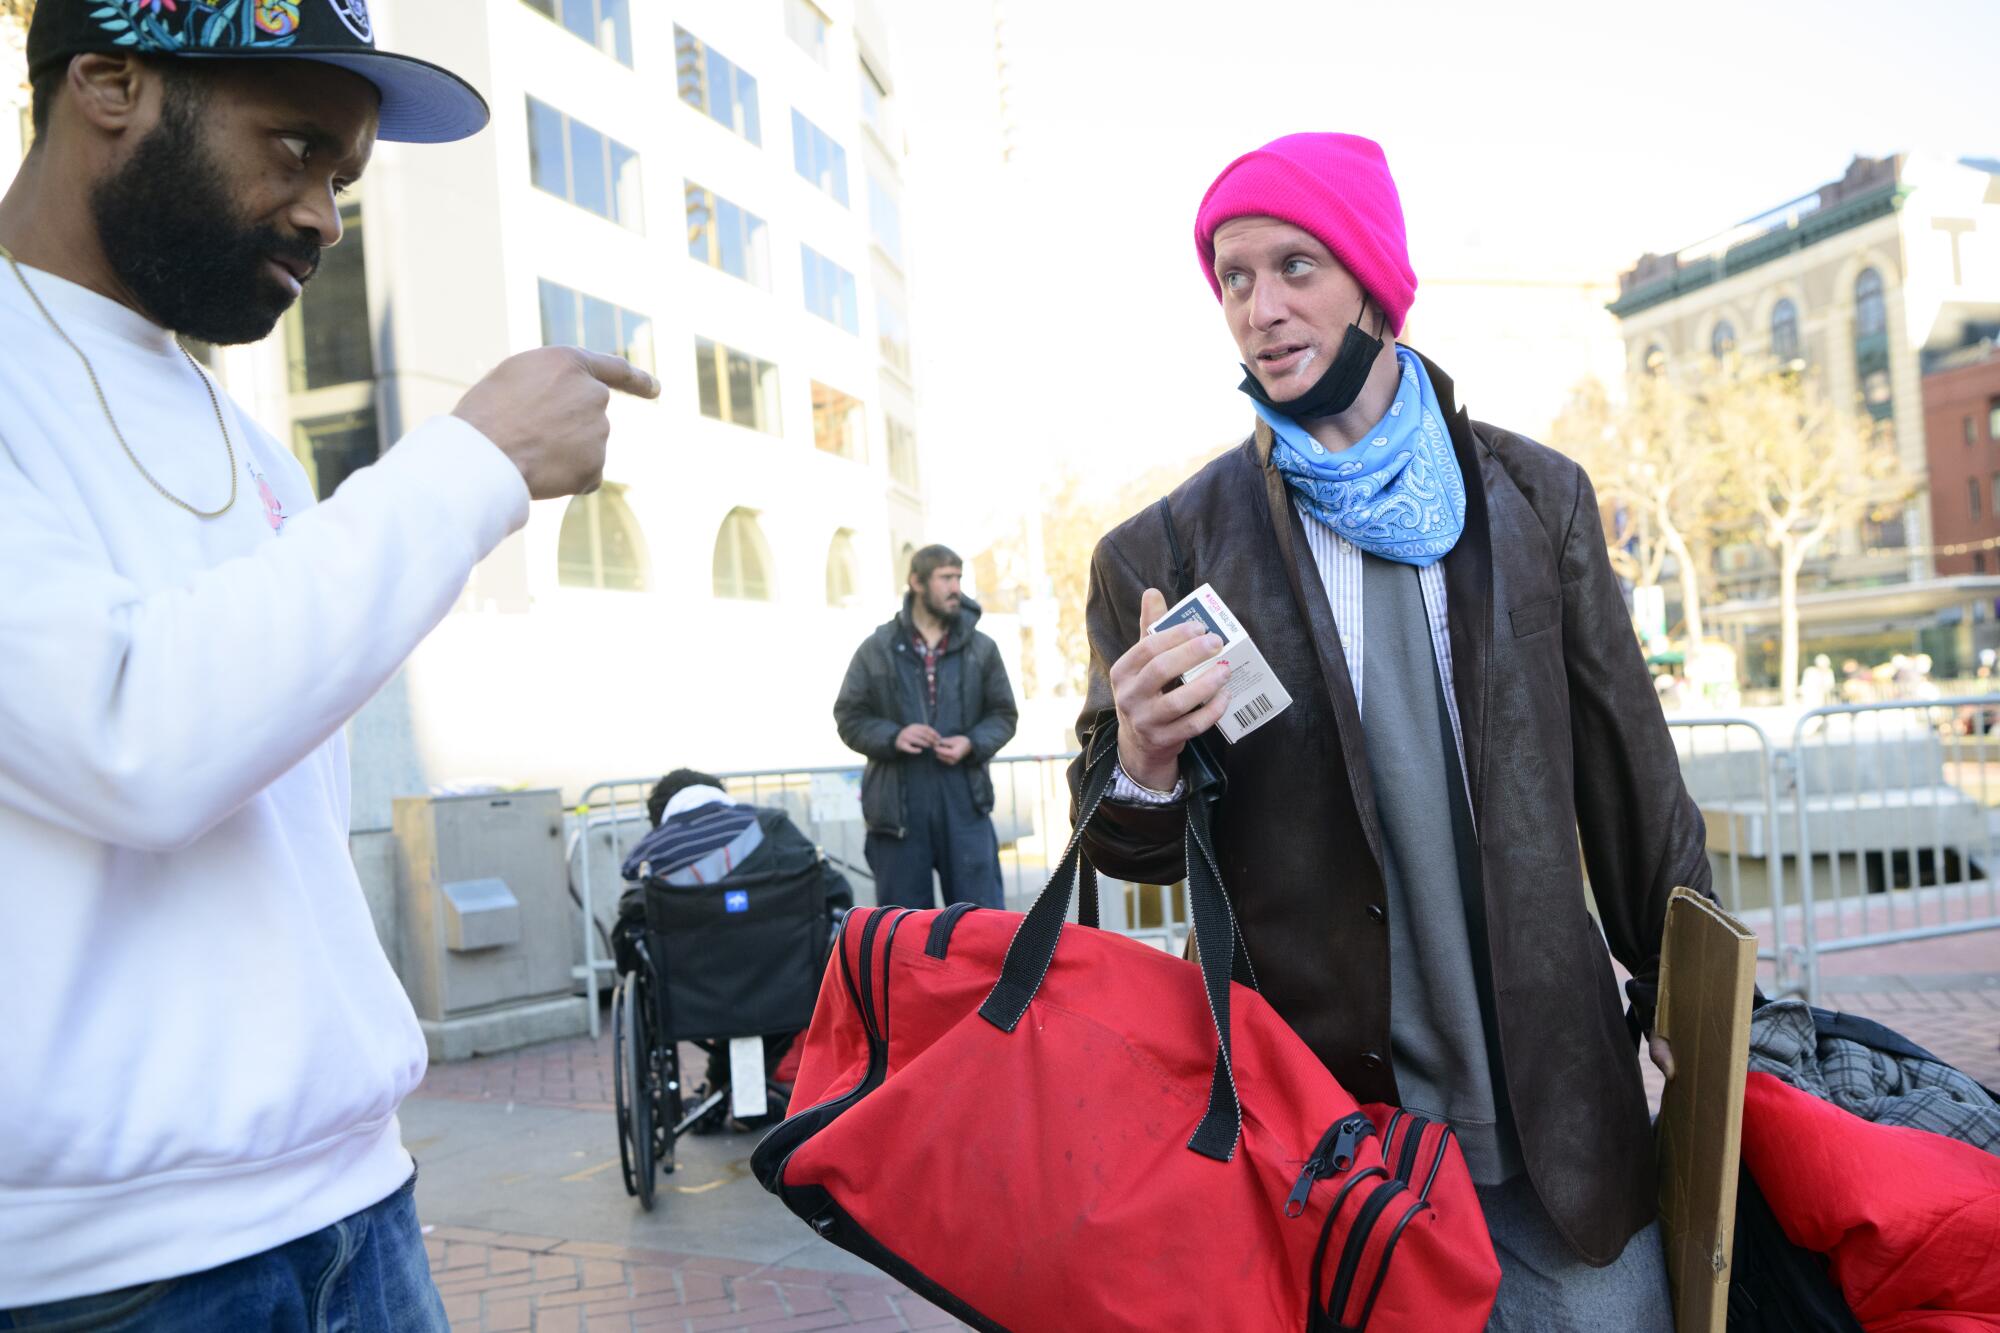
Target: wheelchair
x=705 y=964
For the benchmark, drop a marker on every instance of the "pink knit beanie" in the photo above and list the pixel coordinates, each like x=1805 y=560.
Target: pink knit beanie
x=1336 y=186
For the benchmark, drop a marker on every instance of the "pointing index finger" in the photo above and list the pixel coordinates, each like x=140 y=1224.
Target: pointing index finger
x=619 y=373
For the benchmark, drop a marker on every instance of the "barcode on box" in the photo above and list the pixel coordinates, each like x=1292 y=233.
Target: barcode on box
x=1250 y=712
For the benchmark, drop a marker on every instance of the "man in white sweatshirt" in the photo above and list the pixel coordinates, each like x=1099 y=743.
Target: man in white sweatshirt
x=202 y=1046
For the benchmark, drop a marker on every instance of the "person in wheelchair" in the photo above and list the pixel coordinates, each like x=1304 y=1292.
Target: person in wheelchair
x=723 y=934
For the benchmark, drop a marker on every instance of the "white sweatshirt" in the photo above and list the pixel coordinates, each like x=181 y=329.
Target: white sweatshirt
x=202 y=1045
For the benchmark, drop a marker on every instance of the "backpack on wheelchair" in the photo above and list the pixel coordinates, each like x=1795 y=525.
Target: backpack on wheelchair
x=705 y=964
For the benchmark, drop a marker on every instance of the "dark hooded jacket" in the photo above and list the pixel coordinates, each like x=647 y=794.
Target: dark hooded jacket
x=884 y=692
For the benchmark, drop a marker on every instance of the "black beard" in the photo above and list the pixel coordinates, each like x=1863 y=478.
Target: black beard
x=943 y=613
x=170 y=233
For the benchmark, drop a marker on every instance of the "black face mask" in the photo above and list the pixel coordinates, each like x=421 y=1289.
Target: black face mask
x=1341 y=383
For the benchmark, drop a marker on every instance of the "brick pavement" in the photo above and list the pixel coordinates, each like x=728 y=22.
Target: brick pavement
x=498 y=1283
x=573 y=1074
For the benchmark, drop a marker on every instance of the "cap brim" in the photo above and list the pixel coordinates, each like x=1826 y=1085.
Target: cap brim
x=421 y=102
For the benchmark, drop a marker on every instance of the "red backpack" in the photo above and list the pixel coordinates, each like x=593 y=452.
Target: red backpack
x=1104 y=1136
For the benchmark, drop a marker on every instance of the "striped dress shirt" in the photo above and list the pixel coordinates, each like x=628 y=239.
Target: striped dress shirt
x=1339 y=564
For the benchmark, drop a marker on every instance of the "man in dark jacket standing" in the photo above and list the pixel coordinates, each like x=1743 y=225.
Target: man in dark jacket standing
x=1468 y=705
x=926 y=699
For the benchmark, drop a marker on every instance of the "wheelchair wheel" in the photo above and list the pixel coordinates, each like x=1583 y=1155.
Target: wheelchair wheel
x=621 y=1095
x=632 y=1076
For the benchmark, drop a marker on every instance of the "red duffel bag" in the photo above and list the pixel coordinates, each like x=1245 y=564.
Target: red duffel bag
x=1104 y=1136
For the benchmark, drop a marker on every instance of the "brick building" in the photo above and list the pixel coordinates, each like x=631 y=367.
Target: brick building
x=1962 y=439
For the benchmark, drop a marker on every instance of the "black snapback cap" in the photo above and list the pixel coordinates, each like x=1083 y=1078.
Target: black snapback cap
x=421 y=102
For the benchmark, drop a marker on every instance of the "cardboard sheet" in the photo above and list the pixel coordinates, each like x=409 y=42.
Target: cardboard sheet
x=1708 y=970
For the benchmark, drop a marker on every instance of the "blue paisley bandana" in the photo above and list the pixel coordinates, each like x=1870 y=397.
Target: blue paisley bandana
x=1397 y=492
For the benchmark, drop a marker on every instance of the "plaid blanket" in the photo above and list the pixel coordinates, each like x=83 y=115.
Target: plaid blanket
x=1885 y=1087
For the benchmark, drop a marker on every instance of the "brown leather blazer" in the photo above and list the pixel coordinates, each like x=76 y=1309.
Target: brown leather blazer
x=1565 y=743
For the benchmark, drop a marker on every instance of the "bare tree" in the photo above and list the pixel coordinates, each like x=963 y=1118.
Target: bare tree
x=1588 y=430
x=1805 y=469
x=1662 y=478
x=1073 y=515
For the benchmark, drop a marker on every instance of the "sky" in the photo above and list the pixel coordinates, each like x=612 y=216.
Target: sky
x=1060 y=317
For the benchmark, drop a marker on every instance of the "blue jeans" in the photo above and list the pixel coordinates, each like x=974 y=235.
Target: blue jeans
x=945 y=835
x=364 y=1274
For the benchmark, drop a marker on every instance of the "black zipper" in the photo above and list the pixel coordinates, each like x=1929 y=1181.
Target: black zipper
x=1382 y=1269
x=888 y=948
x=1444 y=1141
x=867 y=951
x=769 y=1159
x=1333 y=1153
x=1389 y=1132
x=942 y=926
x=1413 y=1139
x=775 y=1150
x=1357 y=1241
x=1318 y=1318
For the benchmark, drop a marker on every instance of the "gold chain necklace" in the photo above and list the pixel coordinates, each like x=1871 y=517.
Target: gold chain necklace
x=104 y=403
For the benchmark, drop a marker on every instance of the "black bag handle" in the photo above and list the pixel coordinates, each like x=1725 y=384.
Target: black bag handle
x=1033 y=949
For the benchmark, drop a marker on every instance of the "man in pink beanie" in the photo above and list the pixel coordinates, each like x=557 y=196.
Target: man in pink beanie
x=1468 y=708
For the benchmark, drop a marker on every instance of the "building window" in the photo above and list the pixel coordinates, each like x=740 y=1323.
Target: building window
x=1871 y=345
x=1877 y=392
x=742 y=560
x=842 y=584
x=600 y=546
x=333 y=448
x=1993 y=420
x=1972 y=496
x=806 y=26
x=710 y=83
x=572 y=319
x=1871 y=317
x=893 y=328
x=1884 y=536
x=902 y=453
x=818 y=158
x=874 y=102
x=1655 y=360
x=725 y=236
x=1994 y=494
x=838 y=426
x=605 y=24
x=885 y=219
x=830 y=291
x=1970 y=434
x=572 y=161
x=1979 y=562
x=736 y=387
x=329 y=340
x=1723 y=340
x=1785 y=332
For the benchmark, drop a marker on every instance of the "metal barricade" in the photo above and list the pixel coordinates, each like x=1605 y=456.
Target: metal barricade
x=1733 y=779
x=621 y=821
x=1031 y=818
x=1894 y=819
